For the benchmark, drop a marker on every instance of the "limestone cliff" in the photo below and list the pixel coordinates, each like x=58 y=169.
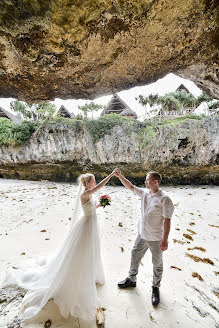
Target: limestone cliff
x=84 y=49
x=184 y=152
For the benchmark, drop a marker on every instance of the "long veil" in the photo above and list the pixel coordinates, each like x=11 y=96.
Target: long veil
x=44 y=282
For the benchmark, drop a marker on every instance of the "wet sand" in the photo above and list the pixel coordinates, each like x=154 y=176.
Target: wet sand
x=34 y=219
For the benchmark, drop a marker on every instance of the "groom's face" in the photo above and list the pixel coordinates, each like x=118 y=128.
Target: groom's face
x=150 y=183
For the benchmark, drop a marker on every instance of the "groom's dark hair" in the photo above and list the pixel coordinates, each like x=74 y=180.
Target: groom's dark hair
x=155 y=175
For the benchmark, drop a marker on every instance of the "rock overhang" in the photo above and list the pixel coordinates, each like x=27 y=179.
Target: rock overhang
x=84 y=49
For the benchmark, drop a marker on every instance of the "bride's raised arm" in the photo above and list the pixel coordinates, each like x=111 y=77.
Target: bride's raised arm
x=89 y=192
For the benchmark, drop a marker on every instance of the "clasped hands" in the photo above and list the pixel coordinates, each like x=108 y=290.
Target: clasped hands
x=117 y=172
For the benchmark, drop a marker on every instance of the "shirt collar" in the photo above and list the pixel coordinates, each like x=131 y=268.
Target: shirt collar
x=158 y=193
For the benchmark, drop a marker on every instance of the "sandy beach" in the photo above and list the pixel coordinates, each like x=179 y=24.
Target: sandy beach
x=34 y=220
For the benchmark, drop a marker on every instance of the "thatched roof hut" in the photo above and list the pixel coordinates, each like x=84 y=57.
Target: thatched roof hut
x=182 y=87
x=65 y=113
x=6 y=114
x=118 y=106
x=129 y=113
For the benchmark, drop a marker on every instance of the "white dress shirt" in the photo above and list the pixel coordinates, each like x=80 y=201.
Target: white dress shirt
x=154 y=208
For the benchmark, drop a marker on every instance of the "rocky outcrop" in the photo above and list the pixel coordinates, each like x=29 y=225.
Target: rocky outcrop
x=185 y=152
x=85 y=49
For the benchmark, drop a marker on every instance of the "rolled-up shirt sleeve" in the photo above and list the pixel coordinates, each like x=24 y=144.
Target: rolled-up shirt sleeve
x=138 y=191
x=167 y=207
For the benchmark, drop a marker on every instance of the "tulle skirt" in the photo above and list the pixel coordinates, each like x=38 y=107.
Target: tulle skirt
x=69 y=278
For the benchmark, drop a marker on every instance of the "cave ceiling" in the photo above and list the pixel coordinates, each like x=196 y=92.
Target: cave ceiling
x=85 y=49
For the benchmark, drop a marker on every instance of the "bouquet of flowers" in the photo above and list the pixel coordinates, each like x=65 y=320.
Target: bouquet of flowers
x=105 y=200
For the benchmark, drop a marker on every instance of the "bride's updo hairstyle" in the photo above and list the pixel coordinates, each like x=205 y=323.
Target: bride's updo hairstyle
x=83 y=178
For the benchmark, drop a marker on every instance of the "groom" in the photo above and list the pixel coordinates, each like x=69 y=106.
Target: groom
x=153 y=230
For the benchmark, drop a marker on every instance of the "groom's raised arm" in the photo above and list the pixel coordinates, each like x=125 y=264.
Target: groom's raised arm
x=126 y=183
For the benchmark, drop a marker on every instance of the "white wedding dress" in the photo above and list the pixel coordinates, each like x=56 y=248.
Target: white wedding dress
x=70 y=277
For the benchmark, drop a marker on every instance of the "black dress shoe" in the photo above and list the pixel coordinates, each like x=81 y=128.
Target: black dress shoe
x=155 y=296
x=126 y=283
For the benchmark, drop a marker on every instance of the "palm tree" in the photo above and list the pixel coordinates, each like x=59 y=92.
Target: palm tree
x=159 y=104
x=186 y=100
x=177 y=101
x=90 y=107
x=170 y=103
x=204 y=97
x=33 y=112
x=152 y=101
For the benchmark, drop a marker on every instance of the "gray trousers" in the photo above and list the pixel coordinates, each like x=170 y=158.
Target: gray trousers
x=138 y=251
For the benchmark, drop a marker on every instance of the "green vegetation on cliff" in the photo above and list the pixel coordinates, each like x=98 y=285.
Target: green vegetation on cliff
x=104 y=124
x=96 y=128
x=147 y=134
x=178 y=120
x=15 y=134
x=150 y=128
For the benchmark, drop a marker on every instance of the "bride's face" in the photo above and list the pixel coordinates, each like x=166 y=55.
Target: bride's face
x=90 y=184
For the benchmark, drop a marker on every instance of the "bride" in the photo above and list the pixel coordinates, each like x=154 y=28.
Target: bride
x=70 y=277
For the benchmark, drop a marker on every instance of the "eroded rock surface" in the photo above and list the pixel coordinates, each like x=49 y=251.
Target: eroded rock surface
x=184 y=152
x=84 y=49
x=10 y=306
